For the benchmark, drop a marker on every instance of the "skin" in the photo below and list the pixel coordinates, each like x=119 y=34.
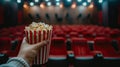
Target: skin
x=29 y=51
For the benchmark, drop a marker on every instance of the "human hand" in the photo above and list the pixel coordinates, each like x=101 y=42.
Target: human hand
x=29 y=51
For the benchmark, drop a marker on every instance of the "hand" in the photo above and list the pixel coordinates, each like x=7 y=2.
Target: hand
x=29 y=51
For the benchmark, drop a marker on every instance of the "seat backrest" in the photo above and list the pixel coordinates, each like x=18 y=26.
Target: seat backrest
x=73 y=34
x=79 y=41
x=5 y=43
x=58 y=41
x=101 y=40
x=60 y=34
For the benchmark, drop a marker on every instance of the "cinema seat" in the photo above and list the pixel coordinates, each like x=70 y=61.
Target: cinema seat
x=16 y=44
x=82 y=53
x=115 y=33
x=89 y=35
x=60 y=34
x=58 y=53
x=118 y=43
x=74 y=34
x=5 y=45
x=105 y=45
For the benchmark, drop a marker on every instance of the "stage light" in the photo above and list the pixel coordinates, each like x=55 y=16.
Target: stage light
x=100 y=1
x=79 y=0
x=91 y=6
x=88 y=1
x=73 y=5
x=25 y=6
x=31 y=4
x=49 y=4
x=42 y=5
x=36 y=1
x=57 y=0
x=84 y=4
x=57 y=4
x=18 y=1
x=61 y=5
x=69 y=0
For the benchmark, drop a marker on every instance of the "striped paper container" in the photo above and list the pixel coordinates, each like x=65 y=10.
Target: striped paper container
x=38 y=36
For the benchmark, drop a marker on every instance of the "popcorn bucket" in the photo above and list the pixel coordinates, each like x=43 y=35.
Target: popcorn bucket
x=38 y=36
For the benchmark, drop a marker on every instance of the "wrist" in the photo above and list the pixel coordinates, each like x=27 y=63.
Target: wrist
x=19 y=60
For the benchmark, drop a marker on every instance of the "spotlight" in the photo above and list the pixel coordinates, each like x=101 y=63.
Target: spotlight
x=49 y=4
x=57 y=4
x=57 y=0
x=69 y=0
x=84 y=4
x=36 y=1
x=79 y=0
x=91 y=6
x=73 y=5
x=100 y=1
x=18 y=1
x=88 y=1
x=61 y=5
x=42 y=5
x=25 y=6
x=31 y=4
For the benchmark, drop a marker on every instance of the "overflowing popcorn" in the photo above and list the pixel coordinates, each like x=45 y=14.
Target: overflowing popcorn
x=38 y=26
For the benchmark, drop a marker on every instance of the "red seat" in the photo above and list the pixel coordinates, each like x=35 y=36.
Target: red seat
x=18 y=45
x=115 y=33
x=74 y=34
x=58 y=48
x=81 y=48
x=89 y=35
x=5 y=45
x=60 y=34
x=118 y=40
x=104 y=45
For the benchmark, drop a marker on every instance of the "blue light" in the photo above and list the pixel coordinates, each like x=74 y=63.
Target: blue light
x=31 y=4
x=88 y=1
x=18 y=1
x=49 y=3
x=84 y=4
x=100 y=1
x=79 y=0
x=69 y=0
x=57 y=0
x=36 y=1
x=57 y=4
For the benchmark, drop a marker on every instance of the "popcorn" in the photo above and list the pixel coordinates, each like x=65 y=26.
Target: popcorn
x=38 y=26
x=37 y=32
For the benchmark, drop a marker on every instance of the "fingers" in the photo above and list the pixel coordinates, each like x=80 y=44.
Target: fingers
x=35 y=46
x=38 y=45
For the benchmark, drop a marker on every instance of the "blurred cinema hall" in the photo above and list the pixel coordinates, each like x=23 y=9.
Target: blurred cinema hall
x=86 y=33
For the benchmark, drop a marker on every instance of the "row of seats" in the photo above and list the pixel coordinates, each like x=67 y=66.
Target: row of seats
x=78 y=49
x=87 y=31
x=82 y=52
x=79 y=45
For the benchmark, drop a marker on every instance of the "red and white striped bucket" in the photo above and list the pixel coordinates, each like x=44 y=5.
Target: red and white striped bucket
x=38 y=36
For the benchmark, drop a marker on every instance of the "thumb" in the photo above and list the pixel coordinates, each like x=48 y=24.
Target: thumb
x=24 y=41
x=40 y=44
